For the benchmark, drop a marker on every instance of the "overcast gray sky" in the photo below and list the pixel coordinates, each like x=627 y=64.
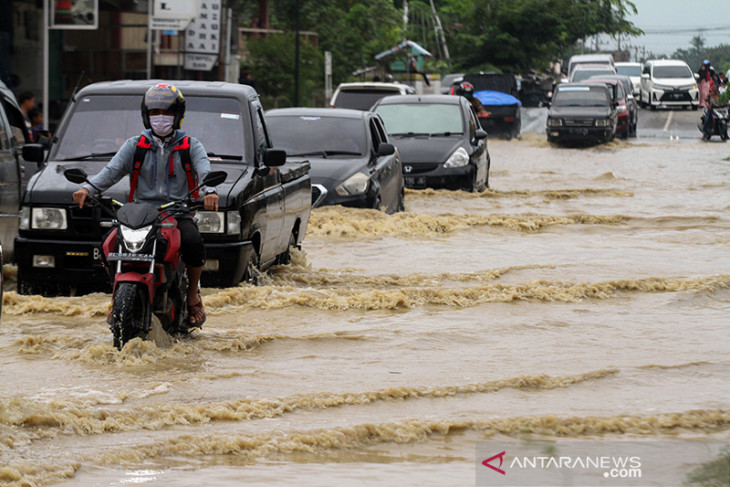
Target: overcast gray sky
x=671 y=24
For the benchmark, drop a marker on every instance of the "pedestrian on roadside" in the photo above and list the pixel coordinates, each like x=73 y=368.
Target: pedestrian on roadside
x=707 y=74
x=26 y=101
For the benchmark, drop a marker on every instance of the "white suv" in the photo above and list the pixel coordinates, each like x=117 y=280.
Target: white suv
x=361 y=96
x=668 y=83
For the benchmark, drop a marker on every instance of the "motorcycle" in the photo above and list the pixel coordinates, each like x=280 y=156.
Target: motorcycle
x=142 y=255
x=719 y=125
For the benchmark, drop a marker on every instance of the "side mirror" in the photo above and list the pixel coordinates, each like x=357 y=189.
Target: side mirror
x=385 y=149
x=480 y=134
x=697 y=76
x=274 y=157
x=33 y=153
x=213 y=178
x=614 y=104
x=75 y=175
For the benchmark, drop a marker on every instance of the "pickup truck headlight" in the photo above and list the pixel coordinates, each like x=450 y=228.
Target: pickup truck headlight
x=355 y=184
x=458 y=158
x=555 y=122
x=604 y=122
x=24 y=223
x=621 y=108
x=49 y=219
x=210 y=221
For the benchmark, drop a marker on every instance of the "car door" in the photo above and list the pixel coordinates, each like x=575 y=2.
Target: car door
x=10 y=186
x=271 y=196
x=386 y=170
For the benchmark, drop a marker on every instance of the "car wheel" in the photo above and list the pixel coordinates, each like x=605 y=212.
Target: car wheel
x=377 y=203
x=401 y=201
x=285 y=257
x=695 y=107
x=252 y=272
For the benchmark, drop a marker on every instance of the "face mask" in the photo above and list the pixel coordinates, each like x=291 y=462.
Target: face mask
x=162 y=124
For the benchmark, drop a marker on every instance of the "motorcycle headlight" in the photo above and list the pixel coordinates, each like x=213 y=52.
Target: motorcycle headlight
x=604 y=122
x=49 y=218
x=458 y=158
x=355 y=184
x=555 y=122
x=134 y=239
x=210 y=221
x=24 y=223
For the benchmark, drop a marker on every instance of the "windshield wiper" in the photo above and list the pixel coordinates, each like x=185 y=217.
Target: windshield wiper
x=325 y=153
x=90 y=156
x=411 y=134
x=445 y=134
x=225 y=156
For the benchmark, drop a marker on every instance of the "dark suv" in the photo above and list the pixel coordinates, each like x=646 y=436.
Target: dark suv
x=582 y=112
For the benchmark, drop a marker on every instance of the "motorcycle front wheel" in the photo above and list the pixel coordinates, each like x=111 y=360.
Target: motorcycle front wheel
x=128 y=313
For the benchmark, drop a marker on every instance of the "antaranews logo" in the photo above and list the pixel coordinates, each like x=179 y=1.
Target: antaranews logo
x=501 y=459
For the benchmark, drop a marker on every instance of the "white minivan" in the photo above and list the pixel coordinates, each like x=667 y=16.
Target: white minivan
x=668 y=83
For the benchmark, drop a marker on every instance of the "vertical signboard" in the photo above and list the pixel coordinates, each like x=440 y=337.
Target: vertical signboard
x=74 y=14
x=202 y=37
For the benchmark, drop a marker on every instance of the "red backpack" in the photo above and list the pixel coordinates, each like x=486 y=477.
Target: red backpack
x=143 y=146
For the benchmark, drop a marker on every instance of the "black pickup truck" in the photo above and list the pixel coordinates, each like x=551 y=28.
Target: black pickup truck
x=264 y=204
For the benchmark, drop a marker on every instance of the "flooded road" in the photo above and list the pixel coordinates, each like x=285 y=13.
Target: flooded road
x=584 y=296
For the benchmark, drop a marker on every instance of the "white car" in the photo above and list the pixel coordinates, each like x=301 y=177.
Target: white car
x=584 y=71
x=633 y=71
x=361 y=96
x=668 y=83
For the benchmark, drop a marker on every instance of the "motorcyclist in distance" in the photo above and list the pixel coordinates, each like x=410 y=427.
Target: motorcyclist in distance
x=466 y=90
x=163 y=176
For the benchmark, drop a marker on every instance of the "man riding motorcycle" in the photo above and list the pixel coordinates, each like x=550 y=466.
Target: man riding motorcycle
x=165 y=165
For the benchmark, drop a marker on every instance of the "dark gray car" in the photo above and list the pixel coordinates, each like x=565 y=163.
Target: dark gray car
x=440 y=141
x=352 y=161
x=582 y=112
x=13 y=135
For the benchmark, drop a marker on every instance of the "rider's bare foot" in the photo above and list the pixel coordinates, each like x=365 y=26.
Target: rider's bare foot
x=196 y=312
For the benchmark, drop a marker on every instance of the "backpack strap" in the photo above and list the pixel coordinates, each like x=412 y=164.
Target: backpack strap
x=142 y=146
x=186 y=160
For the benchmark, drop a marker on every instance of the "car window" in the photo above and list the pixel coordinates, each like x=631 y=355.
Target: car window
x=581 y=96
x=629 y=70
x=583 y=74
x=421 y=118
x=102 y=123
x=664 y=72
x=360 y=99
x=381 y=130
x=311 y=135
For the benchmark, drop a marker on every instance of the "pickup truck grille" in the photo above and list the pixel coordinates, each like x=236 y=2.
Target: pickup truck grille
x=86 y=222
x=579 y=122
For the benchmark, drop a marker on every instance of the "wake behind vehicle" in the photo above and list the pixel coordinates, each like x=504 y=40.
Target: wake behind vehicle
x=439 y=139
x=143 y=255
x=352 y=160
x=582 y=112
x=264 y=203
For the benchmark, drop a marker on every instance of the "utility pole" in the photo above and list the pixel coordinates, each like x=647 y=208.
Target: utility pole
x=296 y=61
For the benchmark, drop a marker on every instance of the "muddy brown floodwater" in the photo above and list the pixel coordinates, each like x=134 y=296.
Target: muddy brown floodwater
x=584 y=296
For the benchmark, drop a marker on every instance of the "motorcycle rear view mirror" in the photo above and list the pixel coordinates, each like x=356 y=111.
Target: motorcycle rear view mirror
x=76 y=175
x=215 y=178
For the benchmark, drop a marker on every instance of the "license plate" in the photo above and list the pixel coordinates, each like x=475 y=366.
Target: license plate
x=124 y=256
x=415 y=181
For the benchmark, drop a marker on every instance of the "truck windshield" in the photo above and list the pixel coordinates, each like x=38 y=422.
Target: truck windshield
x=580 y=96
x=100 y=124
x=314 y=135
